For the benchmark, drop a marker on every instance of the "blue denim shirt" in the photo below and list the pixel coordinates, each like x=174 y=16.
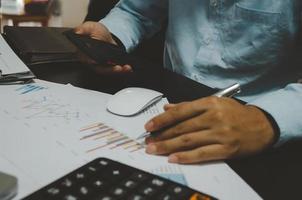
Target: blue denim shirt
x=220 y=42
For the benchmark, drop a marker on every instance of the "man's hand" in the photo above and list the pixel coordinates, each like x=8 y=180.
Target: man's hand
x=98 y=31
x=209 y=129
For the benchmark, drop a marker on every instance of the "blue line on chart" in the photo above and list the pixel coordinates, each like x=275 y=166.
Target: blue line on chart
x=29 y=88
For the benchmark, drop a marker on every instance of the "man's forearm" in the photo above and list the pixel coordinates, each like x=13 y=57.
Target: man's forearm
x=132 y=20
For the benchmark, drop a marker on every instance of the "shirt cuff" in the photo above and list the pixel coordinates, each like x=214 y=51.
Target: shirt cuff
x=118 y=42
x=126 y=36
x=284 y=106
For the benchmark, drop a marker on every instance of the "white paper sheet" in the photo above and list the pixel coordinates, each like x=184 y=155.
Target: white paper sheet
x=47 y=131
x=10 y=63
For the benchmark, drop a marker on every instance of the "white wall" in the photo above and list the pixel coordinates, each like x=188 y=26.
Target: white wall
x=73 y=12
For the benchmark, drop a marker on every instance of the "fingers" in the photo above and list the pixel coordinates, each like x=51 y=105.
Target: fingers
x=113 y=69
x=127 y=68
x=169 y=106
x=174 y=115
x=96 y=31
x=103 y=69
x=183 y=142
x=202 y=154
x=85 y=29
x=198 y=123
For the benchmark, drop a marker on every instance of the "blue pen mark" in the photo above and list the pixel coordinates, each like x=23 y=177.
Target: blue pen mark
x=29 y=88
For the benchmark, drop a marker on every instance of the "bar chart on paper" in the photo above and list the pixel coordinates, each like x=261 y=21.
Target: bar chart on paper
x=39 y=104
x=29 y=88
x=171 y=172
x=103 y=136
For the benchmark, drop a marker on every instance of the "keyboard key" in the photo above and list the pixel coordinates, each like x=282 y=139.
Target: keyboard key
x=103 y=162
x=118 y=192
x=140 y=176
x=79 y=176
x=53 y=191
x=114 y=174
x=70 y=197
x=105 y=197
x=67 y=183
x=129 y=184
x=97 y=183
x=136 y=197
x=147 y=191
x=158 y=182
x=94 y=168
x=84 y=191
x=166 y=197
x=178 y=190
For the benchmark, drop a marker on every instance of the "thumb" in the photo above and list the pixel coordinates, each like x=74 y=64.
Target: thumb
x=84 y=29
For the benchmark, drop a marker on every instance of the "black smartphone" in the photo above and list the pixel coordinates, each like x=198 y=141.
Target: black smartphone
x=101 y=52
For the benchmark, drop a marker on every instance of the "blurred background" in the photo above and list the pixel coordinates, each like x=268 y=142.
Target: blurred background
x=53 y=13
x=71 y=13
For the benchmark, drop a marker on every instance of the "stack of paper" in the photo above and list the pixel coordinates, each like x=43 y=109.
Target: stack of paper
x=11 y=67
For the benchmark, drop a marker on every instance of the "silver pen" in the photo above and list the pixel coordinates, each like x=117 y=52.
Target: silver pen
x=225 y=92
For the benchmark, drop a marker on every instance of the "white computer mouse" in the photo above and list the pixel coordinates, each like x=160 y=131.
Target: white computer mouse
x=131 y=101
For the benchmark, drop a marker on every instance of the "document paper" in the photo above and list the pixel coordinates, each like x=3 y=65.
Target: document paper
x=10 y=63
x=48 y=130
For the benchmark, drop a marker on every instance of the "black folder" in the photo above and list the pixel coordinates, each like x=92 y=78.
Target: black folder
x=36 y=45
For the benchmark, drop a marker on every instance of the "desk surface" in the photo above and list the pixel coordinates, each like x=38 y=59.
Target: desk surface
x=275 y=174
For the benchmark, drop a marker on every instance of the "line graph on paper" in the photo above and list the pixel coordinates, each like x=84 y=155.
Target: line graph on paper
x=102 y=136
x=45 y=107
x=171 y=172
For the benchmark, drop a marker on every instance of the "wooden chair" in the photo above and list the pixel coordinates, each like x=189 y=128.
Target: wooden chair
x=17 y=19
x=22 y=16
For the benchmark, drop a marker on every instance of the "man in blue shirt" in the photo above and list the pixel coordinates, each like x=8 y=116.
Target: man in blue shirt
x=217 y=43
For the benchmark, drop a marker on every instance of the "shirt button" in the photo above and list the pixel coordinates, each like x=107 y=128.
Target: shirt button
x=207 y=41
x=213 y=3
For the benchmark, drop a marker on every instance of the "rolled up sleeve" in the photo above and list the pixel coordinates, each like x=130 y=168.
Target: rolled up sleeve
x=133 y=20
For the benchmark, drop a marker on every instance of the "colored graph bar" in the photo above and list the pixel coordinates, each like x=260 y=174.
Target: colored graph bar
x=29 y=88
x=137 y=149
x=171 y=172
x=109 y=138
x=91 y=127
x=134 y=145
x=96 y=134
x=101 y=128
x=122 y=143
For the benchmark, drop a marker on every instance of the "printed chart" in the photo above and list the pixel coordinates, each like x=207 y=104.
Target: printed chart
x=45 y=107
x=171 y=172
x=107 y=137
x=29 y=88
